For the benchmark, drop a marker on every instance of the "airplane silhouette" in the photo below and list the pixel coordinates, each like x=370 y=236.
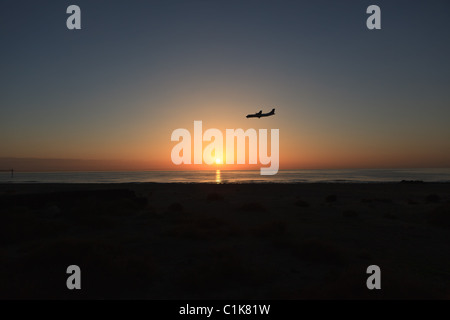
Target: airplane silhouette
x=260 y=114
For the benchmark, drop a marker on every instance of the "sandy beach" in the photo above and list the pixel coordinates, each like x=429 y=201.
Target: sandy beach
x=235 y=241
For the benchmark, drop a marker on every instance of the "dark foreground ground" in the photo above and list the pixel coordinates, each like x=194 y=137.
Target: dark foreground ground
x=174 y=241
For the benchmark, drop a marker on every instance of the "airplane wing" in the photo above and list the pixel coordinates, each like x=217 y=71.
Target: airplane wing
x=271 y=113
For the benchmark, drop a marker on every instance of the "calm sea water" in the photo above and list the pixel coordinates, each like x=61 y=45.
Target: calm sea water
x=222 y=176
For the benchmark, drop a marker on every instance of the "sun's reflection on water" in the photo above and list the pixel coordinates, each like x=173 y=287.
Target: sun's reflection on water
x=218 y=177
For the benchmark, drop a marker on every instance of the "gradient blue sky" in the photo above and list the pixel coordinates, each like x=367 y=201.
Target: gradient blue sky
x=345 y=96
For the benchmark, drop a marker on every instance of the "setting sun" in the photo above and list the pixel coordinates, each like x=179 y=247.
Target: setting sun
x=218 y=161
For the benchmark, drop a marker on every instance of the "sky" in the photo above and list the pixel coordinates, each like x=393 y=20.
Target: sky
x=110 y=95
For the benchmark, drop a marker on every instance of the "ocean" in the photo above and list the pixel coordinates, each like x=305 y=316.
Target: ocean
x=229 y=176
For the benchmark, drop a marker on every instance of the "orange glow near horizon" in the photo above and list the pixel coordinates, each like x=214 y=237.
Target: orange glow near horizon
x=145 y=144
